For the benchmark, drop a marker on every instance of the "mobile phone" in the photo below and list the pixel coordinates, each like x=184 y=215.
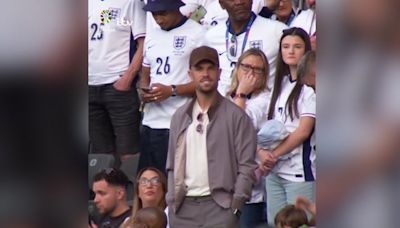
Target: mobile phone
x=198 y=13
x=146 y=89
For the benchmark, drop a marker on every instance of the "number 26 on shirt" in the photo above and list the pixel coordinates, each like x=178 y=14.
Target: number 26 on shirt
x=163 y=66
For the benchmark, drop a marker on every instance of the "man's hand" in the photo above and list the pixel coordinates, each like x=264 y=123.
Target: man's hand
x=123 y=83
x=147 y=95
x=158 y=93
x=161 y=92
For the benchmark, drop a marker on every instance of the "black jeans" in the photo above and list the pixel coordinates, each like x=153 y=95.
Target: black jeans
x=114 y=120
x=153 y=148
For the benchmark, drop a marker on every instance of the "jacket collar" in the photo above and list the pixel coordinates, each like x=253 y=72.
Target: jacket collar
x=211 y=111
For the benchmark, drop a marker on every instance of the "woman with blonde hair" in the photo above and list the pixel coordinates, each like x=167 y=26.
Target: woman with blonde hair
x=249 y=91
x=249 y=88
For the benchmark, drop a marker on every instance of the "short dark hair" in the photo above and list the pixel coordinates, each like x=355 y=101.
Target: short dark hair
x=112 y=176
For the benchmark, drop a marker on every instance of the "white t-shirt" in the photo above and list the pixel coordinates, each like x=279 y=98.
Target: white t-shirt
x=196 y=173
x=264 y=34
x=257 y=107
x=300 y=166
x=167 y=54
x=306 y=20
x=216 y=15
x=109 y=41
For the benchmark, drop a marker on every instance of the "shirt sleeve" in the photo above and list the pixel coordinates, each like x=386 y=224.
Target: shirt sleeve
x=308 y=102
x=136 y=16
x=256 y=109
x=146 y=62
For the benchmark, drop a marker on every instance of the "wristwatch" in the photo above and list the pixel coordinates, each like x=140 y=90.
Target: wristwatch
x=236 y=212
x=174 y=94
x=241 y=95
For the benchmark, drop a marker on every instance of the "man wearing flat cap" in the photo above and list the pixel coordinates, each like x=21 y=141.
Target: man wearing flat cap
x=211 y=153
x=165 y=84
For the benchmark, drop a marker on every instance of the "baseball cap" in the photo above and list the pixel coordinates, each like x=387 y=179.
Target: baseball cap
x=162 y=5
x=203 y=53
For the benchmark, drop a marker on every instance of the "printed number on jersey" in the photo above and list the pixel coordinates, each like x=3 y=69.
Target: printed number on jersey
x=163 y=66
x=97 y=31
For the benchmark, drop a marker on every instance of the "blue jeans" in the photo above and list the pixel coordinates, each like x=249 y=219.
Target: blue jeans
x=153 y=148
x=281 y=192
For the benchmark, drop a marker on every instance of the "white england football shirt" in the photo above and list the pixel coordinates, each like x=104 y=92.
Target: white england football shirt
x=263 y=34
x=301 y=165
x=216 y=15
x=110 y=26
x=306 y=20
x=167 y=54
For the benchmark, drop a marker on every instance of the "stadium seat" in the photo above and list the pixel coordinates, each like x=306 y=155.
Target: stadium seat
x=98 y=162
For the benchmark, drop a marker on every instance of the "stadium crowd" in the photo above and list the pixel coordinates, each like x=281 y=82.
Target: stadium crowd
x=202 y=113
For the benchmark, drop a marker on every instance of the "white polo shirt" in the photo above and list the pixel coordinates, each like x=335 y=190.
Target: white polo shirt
x=300 y=166
x=109 y=40
x=264 y=34
x=167 y=54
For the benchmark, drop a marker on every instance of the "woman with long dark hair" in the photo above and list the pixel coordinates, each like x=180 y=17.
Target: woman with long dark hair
x=292 y=163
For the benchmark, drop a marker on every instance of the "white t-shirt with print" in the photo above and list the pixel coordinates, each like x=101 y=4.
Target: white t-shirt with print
x=301 y=165
x=167 y=54
x=306 y=20
x=264 y=34
x=216 y=15
x=109 y=40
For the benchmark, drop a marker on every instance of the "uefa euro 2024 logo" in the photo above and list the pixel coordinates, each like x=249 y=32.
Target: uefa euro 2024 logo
x=105 y=16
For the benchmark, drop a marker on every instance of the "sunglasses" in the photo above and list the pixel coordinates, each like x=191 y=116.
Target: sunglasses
x=233 y=46
x=199 y=127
